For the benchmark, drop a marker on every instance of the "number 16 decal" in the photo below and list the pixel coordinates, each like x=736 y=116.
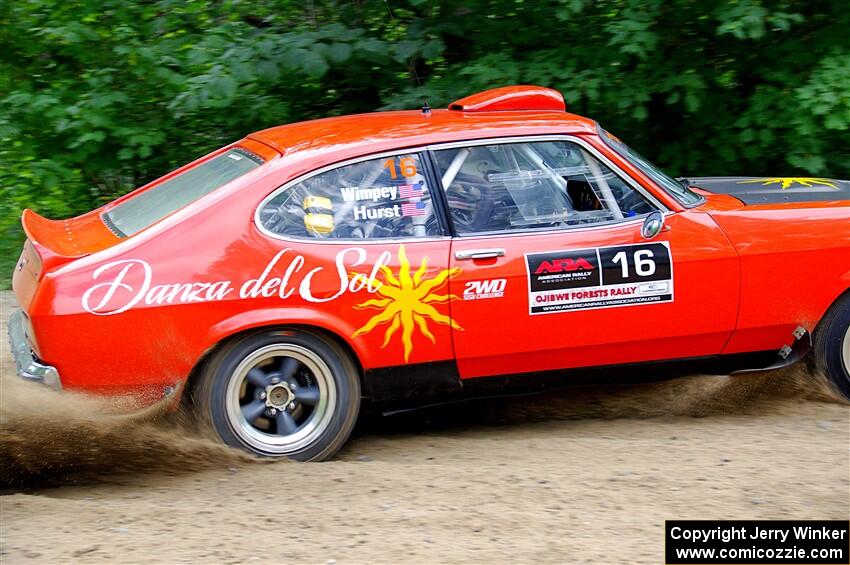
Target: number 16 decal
x=603 y=277
x=634 y=263
x=407 y=165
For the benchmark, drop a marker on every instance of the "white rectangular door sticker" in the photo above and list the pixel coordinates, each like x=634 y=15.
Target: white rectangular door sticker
x=599 y=277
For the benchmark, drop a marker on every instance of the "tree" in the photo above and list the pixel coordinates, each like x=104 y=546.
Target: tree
x=99 y=97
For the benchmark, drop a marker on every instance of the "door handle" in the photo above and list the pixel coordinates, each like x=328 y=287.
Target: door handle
x=479 y=253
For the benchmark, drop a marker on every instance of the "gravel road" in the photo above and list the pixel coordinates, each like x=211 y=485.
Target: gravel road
x=582 y=475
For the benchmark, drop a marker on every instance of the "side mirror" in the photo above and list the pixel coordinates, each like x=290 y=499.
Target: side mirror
x=652 y=225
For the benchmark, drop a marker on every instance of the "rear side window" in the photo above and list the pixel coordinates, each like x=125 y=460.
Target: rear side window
x=374 y=199
x=154 y=204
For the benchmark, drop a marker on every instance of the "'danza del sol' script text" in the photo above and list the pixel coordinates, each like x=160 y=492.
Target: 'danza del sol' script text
x=121 y=285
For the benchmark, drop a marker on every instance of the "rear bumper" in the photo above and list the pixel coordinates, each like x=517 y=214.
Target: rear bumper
x=26 y=364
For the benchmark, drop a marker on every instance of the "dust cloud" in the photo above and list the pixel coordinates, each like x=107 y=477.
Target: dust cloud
x=50 y=438
x=694 y=396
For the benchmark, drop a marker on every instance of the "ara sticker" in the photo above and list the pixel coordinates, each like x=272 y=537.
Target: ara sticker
x=599 y=277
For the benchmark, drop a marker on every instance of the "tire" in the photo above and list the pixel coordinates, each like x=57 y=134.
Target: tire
x=832 y=346
x=281 y=393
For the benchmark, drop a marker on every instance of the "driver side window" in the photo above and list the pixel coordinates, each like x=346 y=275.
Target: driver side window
x=378 y=198
x=535 y=185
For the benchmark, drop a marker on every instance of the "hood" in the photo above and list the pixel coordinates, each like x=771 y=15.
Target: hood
x=772 y=190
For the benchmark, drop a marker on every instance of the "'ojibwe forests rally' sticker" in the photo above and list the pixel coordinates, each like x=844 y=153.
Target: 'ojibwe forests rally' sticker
x=599 y=277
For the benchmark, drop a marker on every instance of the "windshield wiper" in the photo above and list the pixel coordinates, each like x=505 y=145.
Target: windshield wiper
x=684 y=182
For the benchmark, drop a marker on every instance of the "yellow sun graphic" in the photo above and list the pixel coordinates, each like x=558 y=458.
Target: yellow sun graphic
x=788 y=182
x=407 y=302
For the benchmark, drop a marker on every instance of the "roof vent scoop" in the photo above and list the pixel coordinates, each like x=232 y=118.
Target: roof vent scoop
x=509 y=98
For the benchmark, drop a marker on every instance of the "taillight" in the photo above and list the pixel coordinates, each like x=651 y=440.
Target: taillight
x=30 y=260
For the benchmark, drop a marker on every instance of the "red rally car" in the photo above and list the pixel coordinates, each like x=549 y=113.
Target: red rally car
x=418 y=255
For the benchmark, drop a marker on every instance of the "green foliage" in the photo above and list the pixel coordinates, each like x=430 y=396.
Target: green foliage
x=100 y=96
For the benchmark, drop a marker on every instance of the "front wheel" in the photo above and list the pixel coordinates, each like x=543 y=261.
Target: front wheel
x=832 y=346
x=281 y=393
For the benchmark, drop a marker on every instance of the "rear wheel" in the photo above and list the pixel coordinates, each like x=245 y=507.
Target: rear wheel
x=281 y=393
x=832 y=346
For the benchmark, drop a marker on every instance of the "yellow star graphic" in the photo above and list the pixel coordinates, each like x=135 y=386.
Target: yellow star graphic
x=788 y=182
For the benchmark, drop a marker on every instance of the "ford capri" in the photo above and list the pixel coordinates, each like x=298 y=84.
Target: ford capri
x=278 y=283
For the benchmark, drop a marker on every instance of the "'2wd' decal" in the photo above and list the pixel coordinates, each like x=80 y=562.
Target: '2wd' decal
x=599 y=277
x=478 y=290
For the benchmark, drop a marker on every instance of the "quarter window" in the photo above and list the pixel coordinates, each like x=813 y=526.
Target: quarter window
x=537 y=185
x=155 y=203
x=378 y=198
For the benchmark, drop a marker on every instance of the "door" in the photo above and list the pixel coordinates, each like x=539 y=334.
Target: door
x=553 y=272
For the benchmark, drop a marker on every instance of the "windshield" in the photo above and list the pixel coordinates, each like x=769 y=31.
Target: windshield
x=154 y=204
x=679 y=190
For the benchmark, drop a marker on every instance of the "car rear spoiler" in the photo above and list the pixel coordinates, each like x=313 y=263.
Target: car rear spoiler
x=53 y=235
x=61 y=241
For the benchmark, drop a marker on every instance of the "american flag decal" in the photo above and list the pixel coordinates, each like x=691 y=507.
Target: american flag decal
x=410 y=190
x=413 y=209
